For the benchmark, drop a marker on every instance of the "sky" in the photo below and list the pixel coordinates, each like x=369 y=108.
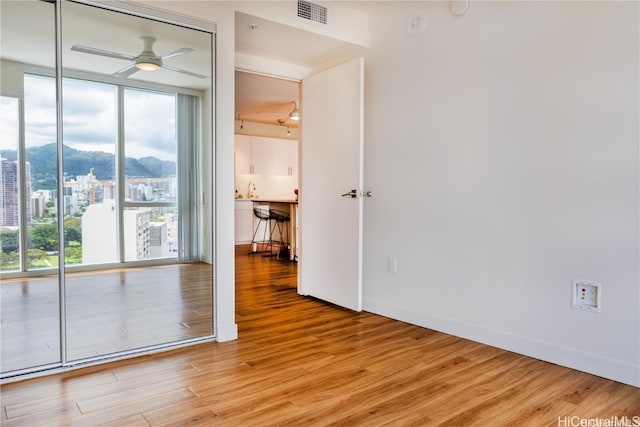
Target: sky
x=90 y=117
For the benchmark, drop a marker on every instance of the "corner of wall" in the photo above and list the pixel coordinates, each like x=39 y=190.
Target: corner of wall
x=227 y=332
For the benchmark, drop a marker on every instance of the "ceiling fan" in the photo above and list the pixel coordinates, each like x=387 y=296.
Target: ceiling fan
x=147 y=60
x=292 y=114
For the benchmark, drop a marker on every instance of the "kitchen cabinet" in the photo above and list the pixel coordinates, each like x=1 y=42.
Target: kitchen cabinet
x=243 y=155
x=259 y=155
x=244 y=221
x=252 y=155
x=284 y=153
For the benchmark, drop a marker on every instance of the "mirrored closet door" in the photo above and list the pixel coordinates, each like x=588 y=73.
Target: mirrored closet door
x=109 y=255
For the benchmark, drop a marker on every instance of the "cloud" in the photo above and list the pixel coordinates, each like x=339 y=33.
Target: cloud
x=90 y=117
x=150 y=124
x=39 y=110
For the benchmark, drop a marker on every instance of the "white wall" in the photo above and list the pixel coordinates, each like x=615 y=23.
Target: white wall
x=502 y=151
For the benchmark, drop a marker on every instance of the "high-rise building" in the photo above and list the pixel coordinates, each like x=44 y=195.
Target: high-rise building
x=10 y=193
x=143 y=239
x=99 y=233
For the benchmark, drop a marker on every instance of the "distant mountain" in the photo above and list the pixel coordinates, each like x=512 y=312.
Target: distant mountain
x=77 y=162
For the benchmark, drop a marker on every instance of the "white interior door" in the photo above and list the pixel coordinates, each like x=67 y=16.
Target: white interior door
x=331 y=165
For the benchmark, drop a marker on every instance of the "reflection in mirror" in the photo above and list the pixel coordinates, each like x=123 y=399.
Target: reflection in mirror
x=29 y=279
x=136 y=152
x=133 y=95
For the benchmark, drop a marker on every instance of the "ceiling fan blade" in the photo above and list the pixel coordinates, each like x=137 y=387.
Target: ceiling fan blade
x=101 y=52
x=126 y=72
x=179 y=70
x=181 y=51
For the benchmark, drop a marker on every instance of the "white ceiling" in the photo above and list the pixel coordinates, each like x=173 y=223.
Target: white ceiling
x=264 y=99
x=267 y=39
x=28 y=37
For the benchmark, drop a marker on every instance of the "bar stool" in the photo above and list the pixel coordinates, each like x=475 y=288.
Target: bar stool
x=263 y=215
x=280 y=218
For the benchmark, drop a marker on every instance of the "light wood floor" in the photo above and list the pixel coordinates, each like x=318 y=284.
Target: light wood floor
x=301 y=362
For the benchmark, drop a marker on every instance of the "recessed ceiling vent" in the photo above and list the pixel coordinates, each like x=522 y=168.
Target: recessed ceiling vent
x=312 y=12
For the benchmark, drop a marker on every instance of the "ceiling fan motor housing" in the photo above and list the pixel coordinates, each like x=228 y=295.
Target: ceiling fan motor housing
x=148 y=60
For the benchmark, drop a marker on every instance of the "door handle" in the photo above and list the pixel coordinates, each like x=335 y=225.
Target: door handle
x=353 y=194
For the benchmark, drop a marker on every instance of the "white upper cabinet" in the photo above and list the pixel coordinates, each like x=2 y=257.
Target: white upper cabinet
x=243 y=155
x=266 y=156
x=293 y=158
x=261 y=155
x=284 y=157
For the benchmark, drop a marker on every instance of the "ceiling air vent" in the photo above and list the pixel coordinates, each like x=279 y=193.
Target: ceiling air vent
x=312 y=12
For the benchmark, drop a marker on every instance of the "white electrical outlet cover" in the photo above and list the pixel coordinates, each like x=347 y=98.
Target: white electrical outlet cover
x=586 y=295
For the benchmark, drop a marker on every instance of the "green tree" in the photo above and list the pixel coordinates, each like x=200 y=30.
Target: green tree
x=73 y=253
x=72 y=230
x=37 y=258
x=9 y=260
x=9 y=240
x=44 y=237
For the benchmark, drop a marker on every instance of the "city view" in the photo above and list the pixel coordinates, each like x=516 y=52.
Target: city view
x=91 y=212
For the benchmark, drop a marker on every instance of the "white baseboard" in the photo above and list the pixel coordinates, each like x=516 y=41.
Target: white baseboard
x=590 y=363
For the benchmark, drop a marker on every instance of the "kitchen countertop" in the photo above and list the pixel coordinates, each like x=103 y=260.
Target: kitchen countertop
x=259 y=200
x=275 y=200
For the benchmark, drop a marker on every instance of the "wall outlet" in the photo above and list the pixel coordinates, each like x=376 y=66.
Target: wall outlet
x=392 y=264
x=586 y=295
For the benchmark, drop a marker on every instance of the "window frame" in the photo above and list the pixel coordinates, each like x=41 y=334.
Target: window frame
x=189 y=244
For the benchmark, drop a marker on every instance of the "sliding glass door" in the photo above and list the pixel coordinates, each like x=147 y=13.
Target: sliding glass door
x=103 y=212
x=29 y=223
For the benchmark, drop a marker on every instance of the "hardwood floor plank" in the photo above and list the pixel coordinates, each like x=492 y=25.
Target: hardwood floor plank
x=124 y=410
x=136 y=420
x=41 y=416
x=206 y=418
x=181 y=413
x=302 y=362
x=127 y=395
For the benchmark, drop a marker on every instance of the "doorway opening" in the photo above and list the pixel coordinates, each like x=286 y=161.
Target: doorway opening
x=267 y=178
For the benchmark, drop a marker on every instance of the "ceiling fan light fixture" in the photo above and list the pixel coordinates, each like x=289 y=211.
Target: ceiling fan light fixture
x=295 y=114
x=148 y=64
